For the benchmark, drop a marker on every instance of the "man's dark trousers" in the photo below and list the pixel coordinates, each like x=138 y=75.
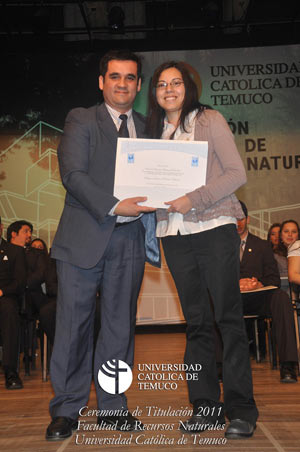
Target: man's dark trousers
x=118 y=277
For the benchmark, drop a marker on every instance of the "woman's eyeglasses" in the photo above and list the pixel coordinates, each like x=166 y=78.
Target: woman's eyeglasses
x=173 y=84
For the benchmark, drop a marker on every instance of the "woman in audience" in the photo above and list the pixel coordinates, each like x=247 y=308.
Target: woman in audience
x=47 y=309
x=280 y=256
x=288 y=233
x=273 y=235
x=294 y=272
x=40 y=245
x=294 y=262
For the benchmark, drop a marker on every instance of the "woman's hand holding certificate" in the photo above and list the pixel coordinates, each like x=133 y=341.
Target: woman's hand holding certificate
x=182 y=205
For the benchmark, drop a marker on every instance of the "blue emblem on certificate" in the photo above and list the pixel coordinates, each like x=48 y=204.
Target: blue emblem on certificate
x=130 y=158
x=195 y=161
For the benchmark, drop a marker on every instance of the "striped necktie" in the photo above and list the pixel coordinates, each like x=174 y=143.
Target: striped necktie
x=242 y=248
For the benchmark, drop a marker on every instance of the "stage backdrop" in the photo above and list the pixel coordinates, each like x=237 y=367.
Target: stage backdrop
x=256 y=89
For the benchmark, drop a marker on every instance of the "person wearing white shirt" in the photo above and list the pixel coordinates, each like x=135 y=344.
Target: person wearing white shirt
x=201 y=246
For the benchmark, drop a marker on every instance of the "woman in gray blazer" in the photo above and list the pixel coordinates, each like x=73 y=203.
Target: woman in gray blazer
x=201 y=247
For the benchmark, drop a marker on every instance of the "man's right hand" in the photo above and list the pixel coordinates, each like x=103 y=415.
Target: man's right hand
x=129 y=207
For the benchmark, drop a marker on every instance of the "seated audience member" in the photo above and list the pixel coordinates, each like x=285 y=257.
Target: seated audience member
x=294 y=263
x=273 y=235
x=294 y=272
x=41 y=287
x=288 y=234
x=258 y=268
x=40 y=245
x=12 y=284
x=20 y=233
x=273 y=238
x=47 y=311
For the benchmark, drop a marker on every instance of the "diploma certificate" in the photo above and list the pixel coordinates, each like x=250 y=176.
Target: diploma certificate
x=162 y=170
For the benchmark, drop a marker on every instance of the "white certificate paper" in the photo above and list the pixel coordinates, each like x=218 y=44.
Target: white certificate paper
x=162 y=170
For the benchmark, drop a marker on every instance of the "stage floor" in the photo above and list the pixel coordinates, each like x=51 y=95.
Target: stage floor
x=24 y=413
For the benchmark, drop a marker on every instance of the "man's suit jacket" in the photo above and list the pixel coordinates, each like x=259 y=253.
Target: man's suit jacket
x=36 y=263
x=87 y=154
x=12 y=269
x=258 y=260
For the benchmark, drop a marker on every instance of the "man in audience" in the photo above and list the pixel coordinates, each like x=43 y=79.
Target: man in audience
x=12 y=283
x=20 y=233
x=258 y=269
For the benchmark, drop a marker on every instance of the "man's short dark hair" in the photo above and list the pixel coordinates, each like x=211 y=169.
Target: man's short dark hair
x=15 y=227
x=244 y=208
x=122 y=55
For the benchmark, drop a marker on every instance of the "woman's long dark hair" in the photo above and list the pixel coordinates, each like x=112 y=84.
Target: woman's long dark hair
x=274 y=225
x=45 y=249
x=156 y=114
x=282 y=249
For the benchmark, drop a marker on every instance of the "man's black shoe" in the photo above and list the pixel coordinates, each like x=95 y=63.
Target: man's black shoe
x=60 y=428
x=288 y=373
x=13 y=381
x=125 y=423
x=239 y=429
x=207 y=415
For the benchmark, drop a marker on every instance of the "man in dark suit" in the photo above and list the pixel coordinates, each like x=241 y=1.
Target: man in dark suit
x=20 y=233
x=258 y=268
x=12 y=284
x=99 y=246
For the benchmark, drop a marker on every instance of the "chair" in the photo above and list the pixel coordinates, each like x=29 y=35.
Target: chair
x=270 y=335
x=271 y=342
x=28 y=338
x=295 y=299
x=45 y=350
x=1 y=350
